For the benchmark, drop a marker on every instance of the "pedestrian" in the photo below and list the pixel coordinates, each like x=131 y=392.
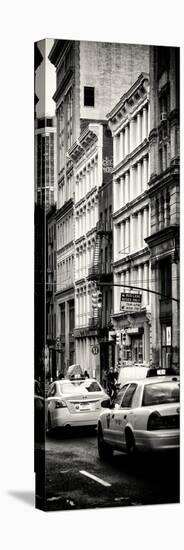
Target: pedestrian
x=111 y=381
x=86 y=374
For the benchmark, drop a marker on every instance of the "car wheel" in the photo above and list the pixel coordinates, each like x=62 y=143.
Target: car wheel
x=130 y=443
x=104 y=450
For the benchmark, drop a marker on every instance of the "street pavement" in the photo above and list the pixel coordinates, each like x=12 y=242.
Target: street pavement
x=77 y=479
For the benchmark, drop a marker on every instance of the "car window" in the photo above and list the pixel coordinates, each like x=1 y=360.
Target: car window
x=91 y=386
x=127 y=398
x=120 y=394
x=160 y=392
x=51 y=391
x=70 y=387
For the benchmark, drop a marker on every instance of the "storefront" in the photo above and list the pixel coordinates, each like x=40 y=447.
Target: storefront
x=135 y=338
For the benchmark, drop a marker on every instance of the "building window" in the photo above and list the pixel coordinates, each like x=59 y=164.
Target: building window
x=168 y=208
x=89 y=96
x=62 y=311
x=71 y=316
x=166 y=281
x=69 y=113
x=60 y=120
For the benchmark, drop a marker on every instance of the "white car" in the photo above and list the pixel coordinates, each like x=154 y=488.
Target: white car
x=74 y=403
x=143 y=417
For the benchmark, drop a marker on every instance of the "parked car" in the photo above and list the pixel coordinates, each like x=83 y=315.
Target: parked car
x=39 y=411
x=74 y=403
x=143 y=417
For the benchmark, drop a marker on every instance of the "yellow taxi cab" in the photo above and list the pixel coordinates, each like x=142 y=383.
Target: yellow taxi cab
x=143 y=417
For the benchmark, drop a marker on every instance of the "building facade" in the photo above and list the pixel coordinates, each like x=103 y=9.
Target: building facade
x=129 y=122
x=89 y=154
x=51 y=290
x=163 y=240
x=90 y=76
x=45 y=161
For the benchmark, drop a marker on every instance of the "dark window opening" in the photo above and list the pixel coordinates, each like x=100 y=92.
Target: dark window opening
x=89 y=96
x=166 y=280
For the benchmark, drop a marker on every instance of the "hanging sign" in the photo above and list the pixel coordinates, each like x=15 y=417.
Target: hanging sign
x=130 y=301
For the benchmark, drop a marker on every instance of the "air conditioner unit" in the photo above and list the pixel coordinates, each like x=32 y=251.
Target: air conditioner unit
x=163 y=116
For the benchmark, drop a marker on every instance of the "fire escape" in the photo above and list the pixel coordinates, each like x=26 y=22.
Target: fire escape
x=101 y=269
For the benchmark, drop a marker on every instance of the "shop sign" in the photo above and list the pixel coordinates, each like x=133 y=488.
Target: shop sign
x=168 y=336
x=133 y=330
x=130 y=301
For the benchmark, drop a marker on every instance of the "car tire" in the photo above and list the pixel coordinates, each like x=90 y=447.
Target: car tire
x=104 y=450
x=130 y=443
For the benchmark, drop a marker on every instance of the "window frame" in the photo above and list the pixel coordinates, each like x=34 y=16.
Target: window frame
x=122 y=406
x=87 y=89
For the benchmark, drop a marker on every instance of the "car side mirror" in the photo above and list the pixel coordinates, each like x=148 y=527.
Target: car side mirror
x=105 y=404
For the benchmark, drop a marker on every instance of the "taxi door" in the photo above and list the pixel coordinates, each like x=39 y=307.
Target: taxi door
x=120 y=416
x=110 y=431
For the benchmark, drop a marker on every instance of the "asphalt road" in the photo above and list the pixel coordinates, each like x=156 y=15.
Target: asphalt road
x=71 y=460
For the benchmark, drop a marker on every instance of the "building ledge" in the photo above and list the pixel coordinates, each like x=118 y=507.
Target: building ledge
x=132 y=256
x=65 y=247
x=64 y=209
x=164 y=178
x=130 y=204
x=68 y=75
x=143 y=311
x=163 y=235
x=130 y=156
x=64 y=291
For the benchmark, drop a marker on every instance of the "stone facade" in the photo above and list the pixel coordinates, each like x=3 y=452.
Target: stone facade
x=89 y=155
x=90 y=79
x=129 y=122
x=163 y=194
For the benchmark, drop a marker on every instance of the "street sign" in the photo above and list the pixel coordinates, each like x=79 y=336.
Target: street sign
x=95 y=350
x=130 y=301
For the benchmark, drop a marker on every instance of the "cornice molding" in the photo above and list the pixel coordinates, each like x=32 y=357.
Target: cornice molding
x=126 y=98
x=129 y=205
x=65 y=247
x=158 y=181
x=68 y=205
x=162 y=235
x=140 y=148
x=131 y=257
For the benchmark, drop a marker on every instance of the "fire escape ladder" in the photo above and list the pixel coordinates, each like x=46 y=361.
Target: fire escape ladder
x=96 y=256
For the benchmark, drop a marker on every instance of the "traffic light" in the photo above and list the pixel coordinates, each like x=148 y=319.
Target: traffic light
x=94 y=298
x=123 y=336
x=99 y=298
x=118 y=337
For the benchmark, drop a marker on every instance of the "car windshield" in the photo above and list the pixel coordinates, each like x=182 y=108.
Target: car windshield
x=69 y=387
x=160 y=392
x=91 y=385
x=84 y=386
